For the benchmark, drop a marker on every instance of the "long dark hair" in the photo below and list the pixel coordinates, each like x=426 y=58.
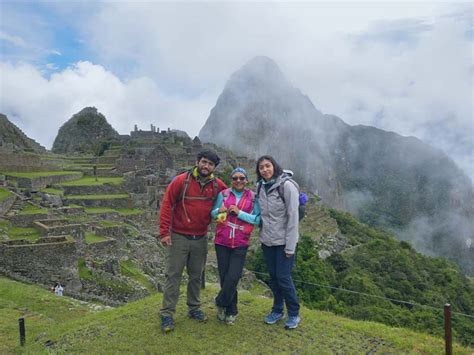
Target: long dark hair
x=277 y=170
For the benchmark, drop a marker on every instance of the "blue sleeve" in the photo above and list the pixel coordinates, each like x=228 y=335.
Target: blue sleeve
x=217 y=205
x=252 y=218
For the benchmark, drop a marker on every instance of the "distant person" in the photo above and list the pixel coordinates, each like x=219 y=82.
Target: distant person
x=279 y=237
x=185 y=216
x=58 y=290
x=237 y=212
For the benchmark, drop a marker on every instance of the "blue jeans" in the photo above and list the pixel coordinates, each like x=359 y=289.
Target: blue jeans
x=281 y=283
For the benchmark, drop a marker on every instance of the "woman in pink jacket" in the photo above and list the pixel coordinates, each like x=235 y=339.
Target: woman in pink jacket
x=237 y=212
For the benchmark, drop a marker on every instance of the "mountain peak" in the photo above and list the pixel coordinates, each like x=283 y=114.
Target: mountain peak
x=11 y=135
x=258 y=72
x=82 y=131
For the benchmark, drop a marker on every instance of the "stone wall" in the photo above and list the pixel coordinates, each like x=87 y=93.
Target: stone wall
x=50 y=227
x=107 y=159
x=42 y=182
x=6 y=203
x=44 y=263
x=112 y=203
x=26 y=220
x=94 y=190
x=103 y=249
x=24 y=162
x=129 y=164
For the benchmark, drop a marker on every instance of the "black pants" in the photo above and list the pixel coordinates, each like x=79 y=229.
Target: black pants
x=230 y=263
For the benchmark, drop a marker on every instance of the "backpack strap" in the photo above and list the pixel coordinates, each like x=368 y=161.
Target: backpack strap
x=182 y=196
x=259 y=187
x=281 y=188
x=185 y=186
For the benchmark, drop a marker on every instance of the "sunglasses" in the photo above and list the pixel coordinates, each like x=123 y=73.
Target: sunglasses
x=239 y=178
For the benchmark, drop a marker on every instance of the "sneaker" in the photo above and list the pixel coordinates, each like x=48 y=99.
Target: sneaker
x=273 y=317
x=221 y=314
x=198 y=315
x=292 y=322
x=167 y=324
x=230 y=319
x=220 y=311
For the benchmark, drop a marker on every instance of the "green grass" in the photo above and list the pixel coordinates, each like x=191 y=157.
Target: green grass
x=87 y=166
x=15 y=233
x=90 y=181
x=98 y=210
x=52 y=191
x=38 y=174
x=93 y=238
x=97 y=197
x=105 y=223
x=84 y=272
x=130 y=269
x=121 y=211
x=135 y=328
x=32 y=209
x=4 y=194
x=40 y=308
x=4 y=224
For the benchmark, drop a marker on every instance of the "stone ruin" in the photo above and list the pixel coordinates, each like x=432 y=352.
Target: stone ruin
x=147 y=161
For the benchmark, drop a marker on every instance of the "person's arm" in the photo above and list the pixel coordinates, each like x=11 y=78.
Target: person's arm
x=291 y=195
x=217 y=205
x=172 y=193
x=253 y=217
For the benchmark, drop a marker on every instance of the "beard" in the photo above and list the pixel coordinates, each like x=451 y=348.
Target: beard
x=203 y=172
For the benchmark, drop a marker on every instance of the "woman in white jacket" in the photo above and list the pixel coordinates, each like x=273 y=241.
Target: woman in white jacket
x=278 y=198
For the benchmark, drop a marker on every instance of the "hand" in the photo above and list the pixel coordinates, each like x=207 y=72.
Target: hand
x=233 y=209
x=166 y=241
x=222 y=209
x=221 y=217
x=289 y=255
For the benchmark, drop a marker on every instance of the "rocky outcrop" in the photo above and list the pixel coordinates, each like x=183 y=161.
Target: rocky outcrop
x=83 y=133
x=13 y=139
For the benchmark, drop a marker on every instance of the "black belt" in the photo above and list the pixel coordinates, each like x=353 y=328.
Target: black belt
x=194 y=237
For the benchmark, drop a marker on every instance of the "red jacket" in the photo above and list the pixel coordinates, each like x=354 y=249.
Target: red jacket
x=188 y=214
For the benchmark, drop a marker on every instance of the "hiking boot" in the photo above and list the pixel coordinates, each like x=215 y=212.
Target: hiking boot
x=292 y=322
x=167 y=324
x=198 y=315
x=273 y=317
x=230 y=319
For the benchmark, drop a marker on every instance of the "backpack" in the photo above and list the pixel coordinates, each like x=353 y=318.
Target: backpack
x=302 y=198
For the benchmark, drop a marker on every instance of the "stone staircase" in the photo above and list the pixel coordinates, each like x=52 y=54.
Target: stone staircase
x=16 y=207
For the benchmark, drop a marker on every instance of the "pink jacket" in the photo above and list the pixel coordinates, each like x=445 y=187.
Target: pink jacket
x=234 y=232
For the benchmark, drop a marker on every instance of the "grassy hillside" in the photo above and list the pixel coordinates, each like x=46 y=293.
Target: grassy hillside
x=60 y=324
x=375 y=263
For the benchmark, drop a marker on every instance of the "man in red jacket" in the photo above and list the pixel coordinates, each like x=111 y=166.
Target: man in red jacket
x=185 y=216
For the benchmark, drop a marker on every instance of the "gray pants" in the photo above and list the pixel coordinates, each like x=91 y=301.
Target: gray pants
x=183 y=252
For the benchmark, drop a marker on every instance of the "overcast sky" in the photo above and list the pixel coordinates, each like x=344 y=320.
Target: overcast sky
x=405 y=67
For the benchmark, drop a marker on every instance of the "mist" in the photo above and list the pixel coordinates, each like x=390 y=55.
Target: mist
x=405 y=67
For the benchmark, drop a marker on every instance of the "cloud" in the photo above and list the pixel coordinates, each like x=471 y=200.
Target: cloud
x=51 y=102
x=15 y=40
x=400 y=67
